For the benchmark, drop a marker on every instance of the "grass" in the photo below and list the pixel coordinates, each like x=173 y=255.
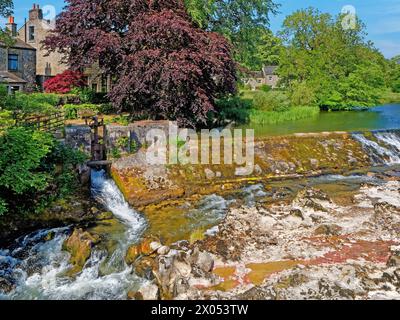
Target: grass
x=273 y=117
x=390 y=97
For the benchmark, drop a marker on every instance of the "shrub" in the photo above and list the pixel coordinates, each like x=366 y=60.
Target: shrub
x=265 y=88
x=271 y=101
x=65 y=82
x=73 y=111
x=33 y=103
x=28 y=175
x=232 y=109
x=302 y=94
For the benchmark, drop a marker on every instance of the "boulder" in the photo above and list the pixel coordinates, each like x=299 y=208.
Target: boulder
x=205 y=262
x=149 y=291
x=328 y=229
x=79 y=245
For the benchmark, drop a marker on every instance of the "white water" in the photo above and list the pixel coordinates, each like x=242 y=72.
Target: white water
x=386 y=150
x=38 y=268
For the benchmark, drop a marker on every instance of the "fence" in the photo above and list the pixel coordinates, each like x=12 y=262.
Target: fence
x=48 y=123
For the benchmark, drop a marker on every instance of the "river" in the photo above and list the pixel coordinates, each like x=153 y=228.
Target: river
x=380 y=117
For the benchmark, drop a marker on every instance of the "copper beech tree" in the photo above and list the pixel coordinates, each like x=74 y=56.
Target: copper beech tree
x=161 y=64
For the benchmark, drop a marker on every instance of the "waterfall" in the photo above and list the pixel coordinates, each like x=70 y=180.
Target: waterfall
x=37 y=267
x=106 y=192
x=382 y=148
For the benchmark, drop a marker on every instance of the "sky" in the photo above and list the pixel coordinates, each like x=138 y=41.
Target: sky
x=382 y=17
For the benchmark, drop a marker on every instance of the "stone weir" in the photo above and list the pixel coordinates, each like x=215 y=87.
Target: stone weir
x=281 y=157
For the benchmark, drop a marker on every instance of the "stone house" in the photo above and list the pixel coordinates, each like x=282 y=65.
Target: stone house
x=33 y=32
x=17 y=62
x=267 y=76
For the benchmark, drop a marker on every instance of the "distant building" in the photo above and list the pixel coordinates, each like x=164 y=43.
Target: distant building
x=17 y=63
x=33 y=32
x=266 y=76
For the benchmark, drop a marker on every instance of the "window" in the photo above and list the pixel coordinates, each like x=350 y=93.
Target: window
x=31 y=33
x=13 y=62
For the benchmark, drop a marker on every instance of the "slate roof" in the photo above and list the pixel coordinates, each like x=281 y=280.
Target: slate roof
x=8 y=77
x=19 y=44
x=269 y=70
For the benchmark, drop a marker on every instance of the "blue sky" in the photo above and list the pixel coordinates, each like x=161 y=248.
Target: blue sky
x=381 y=17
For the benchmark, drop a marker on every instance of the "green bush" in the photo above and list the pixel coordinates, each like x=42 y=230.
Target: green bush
x=33 y=103
x=265 y=88
x=29 y=176
x=271 y=101
x=72 y=111
x=106 y=108
x=234 y=109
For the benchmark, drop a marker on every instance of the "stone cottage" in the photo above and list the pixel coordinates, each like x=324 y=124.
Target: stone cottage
x=267 y=76
x=33 y=32
x=17 y=62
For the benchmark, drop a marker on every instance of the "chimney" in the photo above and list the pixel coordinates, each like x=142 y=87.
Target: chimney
x=12 y=26
x=35 y=13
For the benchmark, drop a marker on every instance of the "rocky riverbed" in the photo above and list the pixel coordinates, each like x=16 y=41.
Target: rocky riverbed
x=310 y=247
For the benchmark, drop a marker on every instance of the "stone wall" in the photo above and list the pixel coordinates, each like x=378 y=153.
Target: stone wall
x=79 y=138
x=128 y=139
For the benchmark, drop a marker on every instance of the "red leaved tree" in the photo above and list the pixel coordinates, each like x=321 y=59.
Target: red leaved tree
x=64 y=82
x=160 y=62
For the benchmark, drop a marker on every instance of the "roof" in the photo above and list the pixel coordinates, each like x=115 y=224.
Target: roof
x=8 y=77
x=19 y=44
x=269 y=70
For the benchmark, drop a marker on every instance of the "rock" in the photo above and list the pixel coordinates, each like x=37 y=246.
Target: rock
x=144 y=267
x=132 y=254
x=79 y=245
x=105 y=216
x=134 y=295
x=328 y=229
x=297 y=213
x=155 y=245
x=314 y=163
x=209 y=174
x=383 y=208
x=6 y=286
x=258 y=170
x=149 y=292
x=163 y=250
x=94 y=210
x=50 y=236
x=394 y=260
x=205 y=262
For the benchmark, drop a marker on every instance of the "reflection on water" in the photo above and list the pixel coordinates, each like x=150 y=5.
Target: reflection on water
x=381 y=117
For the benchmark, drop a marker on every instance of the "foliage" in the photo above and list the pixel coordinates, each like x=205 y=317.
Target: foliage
x=162 y=64
x=271 y=101
x=6 y=10
x=64 y=82
x=339 y=67
x=87 y=95
x=3 y=96
x=243 y=22
x=302 y=94
x=292 y=114
x=265 y=88
x=33 y=103
x=268 y=51
x=73 y=111
x=28 y=175
x=234 y=109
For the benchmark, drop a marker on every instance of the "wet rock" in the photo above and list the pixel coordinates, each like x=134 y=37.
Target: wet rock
x=394 y=260
x=258 y=170
x=209 y=174
x=50 y=236
x=134 y=295
x=155 y=245
x=297 y=213
x=105 y=216
x=383 y=208
x=163 y=250
x=205 y=262
x=328 y=229
x=6 y=286
x=132 y=254
x=314 y=163
x=144 y=267
x=79 y=245
x=149 y=291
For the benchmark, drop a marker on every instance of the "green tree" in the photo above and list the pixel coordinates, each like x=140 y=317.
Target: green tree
x=341 y=67
x=6 y=9
x=243 y=22
x=268 y=50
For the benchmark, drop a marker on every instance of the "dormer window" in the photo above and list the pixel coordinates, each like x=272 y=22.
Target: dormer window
x=31 y=33
x=13 y=62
